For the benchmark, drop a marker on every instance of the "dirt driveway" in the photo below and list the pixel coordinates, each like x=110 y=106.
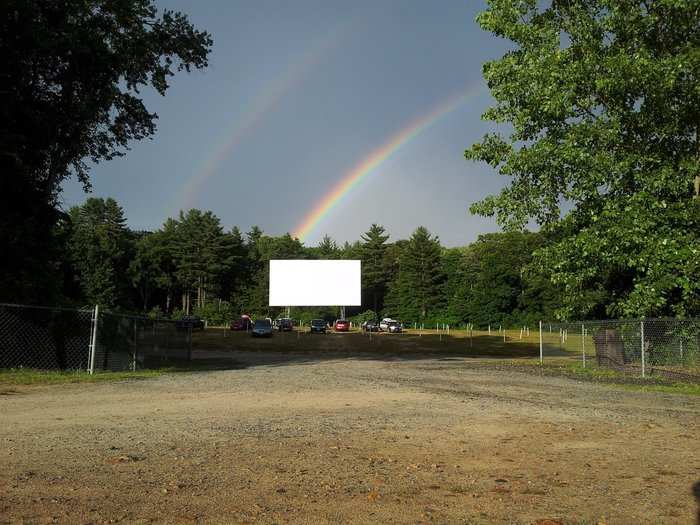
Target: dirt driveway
x=295 y=439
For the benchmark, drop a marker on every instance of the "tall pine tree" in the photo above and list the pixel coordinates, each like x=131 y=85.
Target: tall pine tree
x=417 y=291
x=374 y=277
x=100 y=248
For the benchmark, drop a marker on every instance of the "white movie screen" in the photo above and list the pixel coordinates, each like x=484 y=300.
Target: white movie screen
x=315 y=283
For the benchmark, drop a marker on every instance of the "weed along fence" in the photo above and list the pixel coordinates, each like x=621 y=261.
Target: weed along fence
x=55 y=338
x=668 y=348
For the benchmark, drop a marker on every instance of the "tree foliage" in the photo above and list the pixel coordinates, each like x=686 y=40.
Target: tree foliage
x=417 y=290
x=191 y=265
x=603 y=101
x=374 y=276
x=100 y=248
x=70 y=96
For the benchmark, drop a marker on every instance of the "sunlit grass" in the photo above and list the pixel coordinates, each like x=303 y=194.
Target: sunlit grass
x=30 y=376
x=607 y=376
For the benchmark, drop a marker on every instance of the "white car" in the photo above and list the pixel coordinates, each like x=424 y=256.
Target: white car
x=384 y=324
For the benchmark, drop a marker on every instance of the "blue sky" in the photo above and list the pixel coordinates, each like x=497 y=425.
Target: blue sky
x=310 y=88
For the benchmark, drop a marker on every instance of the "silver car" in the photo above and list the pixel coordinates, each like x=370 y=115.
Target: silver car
x=394 y=327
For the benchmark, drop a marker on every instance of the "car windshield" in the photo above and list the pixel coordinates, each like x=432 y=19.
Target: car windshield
x=262 y=323
x=318 y=322
x=341 y=321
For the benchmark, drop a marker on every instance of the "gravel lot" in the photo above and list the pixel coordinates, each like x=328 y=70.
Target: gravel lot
x=293 y=438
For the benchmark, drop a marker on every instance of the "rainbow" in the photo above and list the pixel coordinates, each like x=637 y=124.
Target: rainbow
x=261 y=106
x=374 y=160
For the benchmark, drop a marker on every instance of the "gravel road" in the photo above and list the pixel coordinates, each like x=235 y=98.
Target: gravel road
x=292 y=438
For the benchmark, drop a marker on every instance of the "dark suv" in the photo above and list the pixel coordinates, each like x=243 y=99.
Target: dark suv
x=318 y=326
x=284 y=325
x=262 y=328
x=189 y=321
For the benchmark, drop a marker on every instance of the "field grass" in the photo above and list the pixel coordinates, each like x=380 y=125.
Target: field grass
x=30 y=376
x=515 y=350
x=480 y=344
x=592 y=373
x=562 y=360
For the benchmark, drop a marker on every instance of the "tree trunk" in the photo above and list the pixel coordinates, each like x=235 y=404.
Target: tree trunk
x=697 y=147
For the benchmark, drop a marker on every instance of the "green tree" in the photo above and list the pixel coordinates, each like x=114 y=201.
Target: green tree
x=603 y=102
x=501 y=284
x=417 y=291
x=373 y=271
x=455 y=286
x=152 y=267
x=100 y=247
x=233 y=279
x=327 y=249
x=351 y=251
x=72 y=74
x=201 y=254
x=255 y=297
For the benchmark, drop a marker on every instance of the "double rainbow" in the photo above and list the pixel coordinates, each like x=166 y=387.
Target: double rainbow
x=262 y=105
x=374 y=160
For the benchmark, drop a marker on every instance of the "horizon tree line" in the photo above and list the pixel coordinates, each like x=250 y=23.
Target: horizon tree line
x=192 y=265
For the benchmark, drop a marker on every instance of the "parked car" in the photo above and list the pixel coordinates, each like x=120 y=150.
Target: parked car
x=262 y=328
x=318 y=326
x=342 y=325
x=285 y=325
x=394 y=327
x=189 y=322
x=384 y=325
x=244 y=323
x=371 y=326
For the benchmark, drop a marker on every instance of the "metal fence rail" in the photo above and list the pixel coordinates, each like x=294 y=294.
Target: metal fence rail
x=54 y=338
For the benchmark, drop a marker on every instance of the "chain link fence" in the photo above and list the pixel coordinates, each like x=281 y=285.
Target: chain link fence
x=48 y=338
x=645 y=347
x=55 y=338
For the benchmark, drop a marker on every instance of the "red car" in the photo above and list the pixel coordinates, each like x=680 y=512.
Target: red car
x=244 y=323
x=341 y=325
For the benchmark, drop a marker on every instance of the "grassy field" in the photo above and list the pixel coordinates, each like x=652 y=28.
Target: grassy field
x=457 y=342
x=29 y=376
x=509 y=349
x=491 y=351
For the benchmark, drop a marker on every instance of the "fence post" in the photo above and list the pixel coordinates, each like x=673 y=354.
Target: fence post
x=641 y=331
x=583 y=343
x=541 y=352
x=93 y=339
x=189 y=344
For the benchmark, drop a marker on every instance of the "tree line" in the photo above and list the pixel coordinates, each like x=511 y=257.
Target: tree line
x=193 y=265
